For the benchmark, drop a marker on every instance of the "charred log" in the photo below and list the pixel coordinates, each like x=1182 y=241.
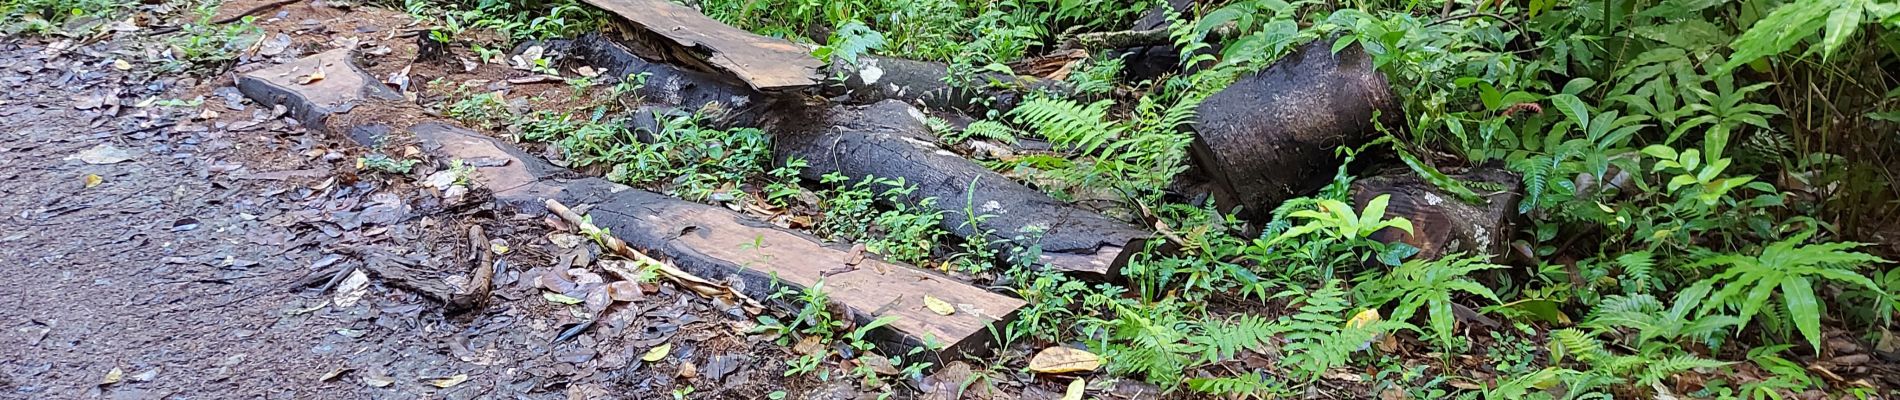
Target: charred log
x=1441 y=223
x=929 y=84
x=889 y=140
x=1271 y=136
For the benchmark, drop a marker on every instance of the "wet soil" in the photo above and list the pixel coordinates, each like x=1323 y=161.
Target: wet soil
x=178 y=272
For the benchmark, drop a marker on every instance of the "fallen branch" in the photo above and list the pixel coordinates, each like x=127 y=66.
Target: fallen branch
x=684 y=279
x=482 y=282
x=1138 y=38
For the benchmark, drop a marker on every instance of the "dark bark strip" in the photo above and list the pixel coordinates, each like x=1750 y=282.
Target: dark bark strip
x=889 y=140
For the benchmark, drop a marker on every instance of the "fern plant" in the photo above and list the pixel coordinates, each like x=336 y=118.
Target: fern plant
x=1069 y=125
x=1651 y=320
x=1429 y=284
x=1790 y=268
x=1318 y=339
x=1649 y=366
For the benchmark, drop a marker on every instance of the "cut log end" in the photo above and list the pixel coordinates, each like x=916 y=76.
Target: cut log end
x=1442 y=224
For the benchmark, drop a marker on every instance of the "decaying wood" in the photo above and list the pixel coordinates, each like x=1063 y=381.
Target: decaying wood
x=728 y=102
x=1272 y=135
x=728 y=250
x=1442 y=224
x=481 y=282
x=681 y=278
x=1138 y=38
x=889 y=140
x=927 y=84
x=757 y=259
x=723 y=100
x=764 y=63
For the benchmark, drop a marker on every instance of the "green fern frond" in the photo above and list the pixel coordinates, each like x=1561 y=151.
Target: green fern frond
x=986 y=129
x=1224 y=339
x=1639 y=266
x=1655 y=372
x=1250 y=385
x=1068 y=125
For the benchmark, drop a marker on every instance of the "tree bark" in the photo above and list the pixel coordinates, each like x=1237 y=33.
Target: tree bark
x=889 y=140
x=1441 y=223
x=1271 y=136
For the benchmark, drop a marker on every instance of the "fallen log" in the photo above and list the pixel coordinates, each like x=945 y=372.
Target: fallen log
x=1271 y=136
x=1442 y=224
x=731 y=103
x=751 y=257
x=928 y=84
x=889 y=140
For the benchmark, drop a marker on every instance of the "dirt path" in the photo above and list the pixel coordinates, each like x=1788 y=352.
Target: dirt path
x=170 y=270
x=181 y=272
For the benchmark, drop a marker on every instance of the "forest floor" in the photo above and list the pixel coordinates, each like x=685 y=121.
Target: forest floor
x=156 y=252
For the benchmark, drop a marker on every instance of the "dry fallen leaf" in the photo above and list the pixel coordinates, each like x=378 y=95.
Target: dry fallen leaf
x=809 y=345
x=1076 y=388
x=657 y=353
x=352 y=289
x=102 y=153
x=113 y=376
x=560 y=298
x=312 y=78
x=450 y=382
x=939 y=306
x=333 y=374
x=122 y=65
x=1063 y=360
x=378 y=381
x=93 y=180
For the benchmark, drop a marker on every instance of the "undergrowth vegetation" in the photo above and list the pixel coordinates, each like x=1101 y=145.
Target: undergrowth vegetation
x=1696 y=179
x=1693 y=177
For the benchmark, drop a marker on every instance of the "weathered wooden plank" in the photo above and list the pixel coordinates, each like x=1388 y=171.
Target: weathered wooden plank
x=754 y=258
x=765 y=63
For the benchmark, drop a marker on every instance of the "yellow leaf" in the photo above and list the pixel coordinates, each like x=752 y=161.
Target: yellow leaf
x=450 y=382
x=113 y=376
x=1076 y=388
x=498 y=248
x=93 y=180
x=122 y=65
x=1063 y=360
x=312 y=78
x=1363 y=318
x=657 y=353
x=939 y=306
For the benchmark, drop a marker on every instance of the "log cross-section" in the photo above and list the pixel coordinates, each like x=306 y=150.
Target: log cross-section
x=765 y=63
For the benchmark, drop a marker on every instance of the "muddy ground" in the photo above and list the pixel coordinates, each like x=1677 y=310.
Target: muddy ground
x=175 y=273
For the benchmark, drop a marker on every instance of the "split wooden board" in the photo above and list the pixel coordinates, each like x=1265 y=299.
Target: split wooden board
x=765 y=63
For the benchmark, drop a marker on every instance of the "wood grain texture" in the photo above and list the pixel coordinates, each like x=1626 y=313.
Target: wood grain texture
x=763 y=62
x=754 y=258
